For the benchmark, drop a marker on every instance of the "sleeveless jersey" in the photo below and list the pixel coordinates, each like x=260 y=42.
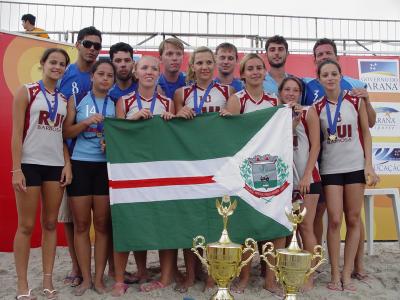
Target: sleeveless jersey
x=346 y=154
x=248 y=104
x=130 y=105
x=115 y=92
x=42 y=140
x=236 y=83
x=301 y=150
x=169 y=88
x=75 y=82
x=87 y=147
x=216 y=99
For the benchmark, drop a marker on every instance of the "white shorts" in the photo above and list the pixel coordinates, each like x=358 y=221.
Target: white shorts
x=64 y=214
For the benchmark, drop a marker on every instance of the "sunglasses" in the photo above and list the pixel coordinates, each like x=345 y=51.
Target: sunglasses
x=88 y=44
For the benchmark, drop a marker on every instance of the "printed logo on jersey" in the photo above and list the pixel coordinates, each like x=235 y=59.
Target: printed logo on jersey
x=44 y=122
x=265 y=176
x=380 y=75
x=387 y=119
x=344 y=133
x=386 y=158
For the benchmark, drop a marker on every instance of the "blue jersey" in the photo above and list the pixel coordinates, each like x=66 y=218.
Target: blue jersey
x=87 y=147
x=115 y=92
x=169 y=88
x=314 y=90
x=271 y=86
x=236 y=83
x=75 y=82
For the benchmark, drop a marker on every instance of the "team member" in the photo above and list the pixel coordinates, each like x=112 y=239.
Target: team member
x=121 y=55
x=202 y=95
x=76 y=82
x=28 y=22
x=277 y=51
x=306 y=146
x=325 y=49
x=89 y=188
x=227 y=57
x=41 y=166
x=144 y=103
x=171 y=55
x=346 y=165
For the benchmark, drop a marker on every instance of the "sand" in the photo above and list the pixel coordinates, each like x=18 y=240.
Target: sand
x=383 y=268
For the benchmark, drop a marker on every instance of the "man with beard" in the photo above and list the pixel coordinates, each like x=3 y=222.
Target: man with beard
x=121 y=55
x=226 y=57
x=171 y=52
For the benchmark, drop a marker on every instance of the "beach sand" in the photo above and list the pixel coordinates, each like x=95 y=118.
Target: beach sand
x=383 y=269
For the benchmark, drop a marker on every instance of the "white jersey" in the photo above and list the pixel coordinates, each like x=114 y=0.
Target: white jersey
x=130 y=104
x=216 y=99
x=346 y=154
x=248 y=104
x=301 y=150
x=42 y=139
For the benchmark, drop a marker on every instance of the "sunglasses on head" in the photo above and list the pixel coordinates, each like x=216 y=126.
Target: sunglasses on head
x=88 y=44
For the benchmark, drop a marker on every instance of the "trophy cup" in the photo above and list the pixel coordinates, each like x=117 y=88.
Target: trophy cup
x=223 y=259
x=293 y=265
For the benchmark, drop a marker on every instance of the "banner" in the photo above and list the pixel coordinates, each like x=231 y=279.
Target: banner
x=165 y=178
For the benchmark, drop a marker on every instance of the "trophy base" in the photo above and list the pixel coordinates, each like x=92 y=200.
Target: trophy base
x=222 y=294
x=290 y=297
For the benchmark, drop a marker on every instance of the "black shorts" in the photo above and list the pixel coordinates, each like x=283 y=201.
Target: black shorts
x=89 y=178
x=36 y=174
x=343 y=178
x=315 y=188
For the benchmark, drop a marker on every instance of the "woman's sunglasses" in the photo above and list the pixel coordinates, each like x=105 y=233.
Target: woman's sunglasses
x=88 y=44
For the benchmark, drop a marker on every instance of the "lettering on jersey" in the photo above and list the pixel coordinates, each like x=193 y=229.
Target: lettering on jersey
x=43 y=122
x=344 y=133
x=210 y=109
x=316 y=92
x=208 y=100
x=75 y=88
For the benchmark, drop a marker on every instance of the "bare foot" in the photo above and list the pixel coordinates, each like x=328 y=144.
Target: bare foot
x=184 y=286
x=308 y=286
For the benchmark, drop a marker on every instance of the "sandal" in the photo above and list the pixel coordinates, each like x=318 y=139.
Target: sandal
x=349 y=287
x=80 y=290
x=50 y=294
x=335 y=286
x=28 y=296
x=237 y=288
x=73 y=280
x=360 y=276
x=119 y=289
x=151 y=286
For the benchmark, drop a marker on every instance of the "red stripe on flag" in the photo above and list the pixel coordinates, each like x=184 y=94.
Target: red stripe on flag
x=124 y=184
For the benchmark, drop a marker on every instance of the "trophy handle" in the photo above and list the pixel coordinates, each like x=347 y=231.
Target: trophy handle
x=250 y=246
x=199 y=243
x=318 y=254
x=268 y=250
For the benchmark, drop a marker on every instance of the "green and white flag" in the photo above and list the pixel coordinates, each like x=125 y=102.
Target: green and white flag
x=165 y=176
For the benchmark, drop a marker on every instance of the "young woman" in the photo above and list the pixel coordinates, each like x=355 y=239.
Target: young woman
x=201 y=95
x=41 y=166
x=306 y=146
x=346 y=165
x=144 y=103
x=89 y=188
x=252 y=98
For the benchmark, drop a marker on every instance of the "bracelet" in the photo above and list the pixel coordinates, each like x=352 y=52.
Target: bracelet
x=16 y=170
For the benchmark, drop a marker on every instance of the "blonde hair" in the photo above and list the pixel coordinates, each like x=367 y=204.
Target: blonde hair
x=245 y=59
x=135 y=66
x=191 y=76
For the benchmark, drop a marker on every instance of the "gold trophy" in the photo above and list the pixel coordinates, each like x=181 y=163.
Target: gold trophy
x=293 y=265
x=223 y=259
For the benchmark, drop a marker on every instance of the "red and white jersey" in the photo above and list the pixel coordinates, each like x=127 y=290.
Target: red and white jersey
x=130 y=105
x=346 y=154
x=216 y=99
x=42 y=139
x=301 y=150
x=248 y=104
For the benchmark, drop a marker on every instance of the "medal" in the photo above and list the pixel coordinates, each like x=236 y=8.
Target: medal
x=332 y=124
x=198 y=109
x=332 y=137
x=99 y=134
x=99 y=129
x=153 y=100
x=52 y=109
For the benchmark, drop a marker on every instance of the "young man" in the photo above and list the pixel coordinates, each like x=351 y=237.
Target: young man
x=171 y=55
x=74 y=85
x=227 y=57
x=28 y=22
x=277 y=52
x=121 y=55
x=325 y=49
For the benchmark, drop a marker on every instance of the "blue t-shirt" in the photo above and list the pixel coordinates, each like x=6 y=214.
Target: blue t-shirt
x=75 y=82
x=115 y=92
x=169 y=88
x=87 y=147
x=236 y=83
x=270 y=85
x=314 y=90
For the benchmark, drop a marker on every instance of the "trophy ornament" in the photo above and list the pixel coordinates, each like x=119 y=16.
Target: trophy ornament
x=250 y=246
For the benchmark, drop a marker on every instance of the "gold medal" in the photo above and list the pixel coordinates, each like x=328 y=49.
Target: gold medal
x=51 y=122
x=99 y=134
x=332 y=137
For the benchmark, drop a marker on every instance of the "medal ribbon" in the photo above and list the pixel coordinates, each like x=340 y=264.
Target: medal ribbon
x=52 y=109
x=198 y=109
x=332 y=124
x=103 y=110
x=153 y=100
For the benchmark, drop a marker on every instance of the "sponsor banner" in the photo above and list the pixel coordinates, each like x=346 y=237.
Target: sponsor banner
x=387 y=119
x=380 y=75
x=386 y=158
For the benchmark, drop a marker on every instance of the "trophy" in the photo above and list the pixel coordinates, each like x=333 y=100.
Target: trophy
x=293 y=266
x=223 y=259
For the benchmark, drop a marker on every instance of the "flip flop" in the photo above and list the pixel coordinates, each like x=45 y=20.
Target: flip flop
x=349 y=287
x=151 y=286
x=119 y=289
x=73 y=280
x=50 y=294
x=80 y=290
x=335 y=286
x=28 y=296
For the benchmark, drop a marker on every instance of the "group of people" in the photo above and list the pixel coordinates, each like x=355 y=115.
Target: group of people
x=58 y=142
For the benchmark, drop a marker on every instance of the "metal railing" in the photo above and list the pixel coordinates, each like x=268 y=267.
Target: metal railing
x=146 y=28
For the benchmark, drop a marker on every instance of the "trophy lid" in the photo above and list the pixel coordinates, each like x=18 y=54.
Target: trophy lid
x=225 y=209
